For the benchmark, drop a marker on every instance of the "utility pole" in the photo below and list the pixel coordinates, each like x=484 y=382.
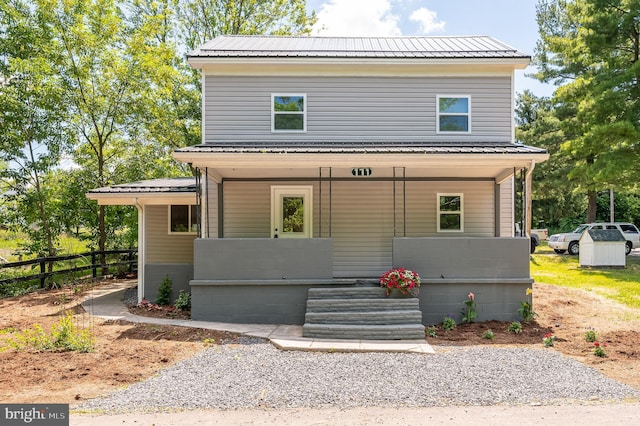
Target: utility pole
x=611 y=208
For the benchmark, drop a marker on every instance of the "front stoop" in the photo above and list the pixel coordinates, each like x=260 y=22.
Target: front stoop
x=361 y=312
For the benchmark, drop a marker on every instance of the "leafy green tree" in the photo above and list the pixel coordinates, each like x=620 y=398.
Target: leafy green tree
x=203 y=20
x=554 y=198
x=591 y=48
x=33 y=132
x=108 y=63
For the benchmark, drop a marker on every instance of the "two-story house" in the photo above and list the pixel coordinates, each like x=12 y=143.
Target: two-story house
x=326 y=161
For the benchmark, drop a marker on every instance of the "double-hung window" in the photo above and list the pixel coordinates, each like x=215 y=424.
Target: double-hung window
x=450 y=215
x=183 y=219
x=288 y=113
x=454 y=114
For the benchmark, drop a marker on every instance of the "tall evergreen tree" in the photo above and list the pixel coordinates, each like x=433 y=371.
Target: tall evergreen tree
x=591 y=49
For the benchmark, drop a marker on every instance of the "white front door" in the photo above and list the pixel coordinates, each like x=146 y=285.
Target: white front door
x=291 y=209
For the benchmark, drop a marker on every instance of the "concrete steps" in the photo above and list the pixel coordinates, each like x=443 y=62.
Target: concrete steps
x=361 y=312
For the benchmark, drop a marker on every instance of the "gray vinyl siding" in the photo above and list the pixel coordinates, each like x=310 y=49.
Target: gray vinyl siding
x=362 y=217
x=211 y=209
x=247 y=208
x=422 y=204
x=356 y=108
x=162 y=247
x=506 y=209
x=362 y=228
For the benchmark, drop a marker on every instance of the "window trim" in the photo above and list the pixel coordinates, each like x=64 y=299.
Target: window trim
x=274 y=113
x=459 y=114
x=460 y=212
x=189 y=215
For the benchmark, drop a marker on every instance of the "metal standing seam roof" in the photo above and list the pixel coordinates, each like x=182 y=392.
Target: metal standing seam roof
x=154 y=186
x=356 y=47
x=361 y=148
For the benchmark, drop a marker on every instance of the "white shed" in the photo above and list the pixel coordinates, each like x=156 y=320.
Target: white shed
x=602 y=247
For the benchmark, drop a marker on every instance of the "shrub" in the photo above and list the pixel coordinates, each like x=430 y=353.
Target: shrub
x=431 y=331
x=449 y=323
x=598 y=350
x=515 y=327
x=164 y=292
x=590 y=336
x=526 y=308
x=488 y=335
x=183 y=302
x=64 y=336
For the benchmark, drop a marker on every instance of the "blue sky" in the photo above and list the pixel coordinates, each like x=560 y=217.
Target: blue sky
x=510 y=21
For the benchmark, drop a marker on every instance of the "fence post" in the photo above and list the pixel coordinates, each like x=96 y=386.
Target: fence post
x=43 y=270
x=94 y=271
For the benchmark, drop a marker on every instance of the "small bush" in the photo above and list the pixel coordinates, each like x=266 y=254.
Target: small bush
x=449 y=323
x=183 y=302
x=64 y=336
x=515 y=327
x=431 y=331
x=488 y=335
x=598 y=350
x=590 y=336
x=164 y=292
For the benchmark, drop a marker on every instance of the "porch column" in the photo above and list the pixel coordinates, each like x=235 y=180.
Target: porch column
x=527 y=205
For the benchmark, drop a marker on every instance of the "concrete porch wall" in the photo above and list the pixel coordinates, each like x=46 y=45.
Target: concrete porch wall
x=263 y=258
x=267 y=280
x=180 y=273
x=251 y=302
x=257 y=280
x=456 y=257
x=496 y=270
x=496 y=299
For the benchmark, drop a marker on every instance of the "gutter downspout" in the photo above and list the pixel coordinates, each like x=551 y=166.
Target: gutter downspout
x=528 y=211
x=141 y=248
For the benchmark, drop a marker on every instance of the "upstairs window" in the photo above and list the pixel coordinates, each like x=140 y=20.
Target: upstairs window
x=450 y=213
x=183 y=219
x=454 y=114
x=288 y=113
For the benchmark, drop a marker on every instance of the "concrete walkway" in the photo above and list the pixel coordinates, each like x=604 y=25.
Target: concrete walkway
x=107 y=302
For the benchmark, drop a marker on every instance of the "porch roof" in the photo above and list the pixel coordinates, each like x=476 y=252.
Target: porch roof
x=324 y=147
x=251 y=159
x=154 y=191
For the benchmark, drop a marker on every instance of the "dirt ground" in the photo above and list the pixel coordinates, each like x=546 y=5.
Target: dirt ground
x=126 y=353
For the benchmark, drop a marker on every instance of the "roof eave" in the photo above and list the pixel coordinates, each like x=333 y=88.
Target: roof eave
x=202 y=62
x=305 y=160
x=142 y=198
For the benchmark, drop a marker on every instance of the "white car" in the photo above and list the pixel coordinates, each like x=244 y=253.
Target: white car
x=570 y=242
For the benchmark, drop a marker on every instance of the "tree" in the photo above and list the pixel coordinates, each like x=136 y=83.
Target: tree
x=592 y=49
x=106 y=60
x=203 y=20
x=554 y=199
x=33 y=133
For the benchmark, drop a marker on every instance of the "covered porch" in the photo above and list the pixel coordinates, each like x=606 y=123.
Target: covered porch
x=448 y=213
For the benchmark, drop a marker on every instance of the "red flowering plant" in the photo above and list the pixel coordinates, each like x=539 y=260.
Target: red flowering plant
x=405 y=280
x=598 y=349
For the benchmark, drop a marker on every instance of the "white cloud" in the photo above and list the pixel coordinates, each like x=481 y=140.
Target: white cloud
x=357 y=18
x=427 y=20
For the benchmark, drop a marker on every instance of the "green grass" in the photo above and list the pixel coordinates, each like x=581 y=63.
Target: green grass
x=11 y=244
x=619 y=284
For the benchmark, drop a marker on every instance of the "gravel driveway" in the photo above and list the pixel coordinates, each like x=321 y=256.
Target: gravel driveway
x=255 y=374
